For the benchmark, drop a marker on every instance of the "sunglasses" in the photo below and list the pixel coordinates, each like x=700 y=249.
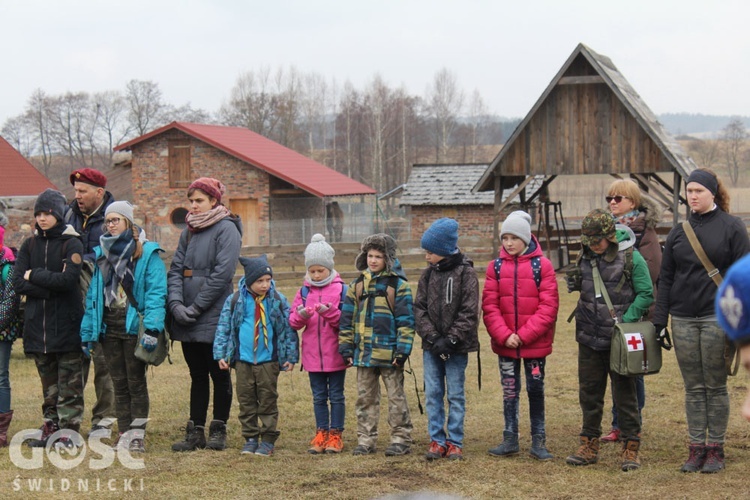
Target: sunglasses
x=112 y=222
x=617 y=199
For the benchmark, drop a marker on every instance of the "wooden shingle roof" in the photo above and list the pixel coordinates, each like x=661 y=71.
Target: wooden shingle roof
x=19 y=177
x=450 y=185
x=267 y=155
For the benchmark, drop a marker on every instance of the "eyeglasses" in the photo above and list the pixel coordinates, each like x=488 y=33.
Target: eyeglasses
x=112 y=222
x=617 y=199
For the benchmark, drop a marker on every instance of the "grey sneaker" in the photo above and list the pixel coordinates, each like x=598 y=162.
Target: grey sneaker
x=362 y=449
x=397 y=450
x=251 y=446
x=264 y=449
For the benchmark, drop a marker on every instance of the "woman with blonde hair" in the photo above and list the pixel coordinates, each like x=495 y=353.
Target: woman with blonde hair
x=129 y=282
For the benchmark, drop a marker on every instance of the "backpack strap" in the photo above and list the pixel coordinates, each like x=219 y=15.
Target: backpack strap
x=536 y=269
x=389 y=294
x=235 y=298
x=304 y=291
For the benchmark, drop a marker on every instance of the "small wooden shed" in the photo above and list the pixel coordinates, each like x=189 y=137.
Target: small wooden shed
x=589 y=120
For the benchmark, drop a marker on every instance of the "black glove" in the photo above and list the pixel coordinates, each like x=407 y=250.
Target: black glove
x=400 y=359
x=662 y=337
x=181 y=315
x=573 y=284
x=444 y=347
x=429 y=341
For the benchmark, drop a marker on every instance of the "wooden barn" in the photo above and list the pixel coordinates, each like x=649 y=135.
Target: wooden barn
x=281 y=196
x=589 y=120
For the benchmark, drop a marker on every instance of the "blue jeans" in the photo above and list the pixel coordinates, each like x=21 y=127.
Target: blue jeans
x=5 y=376
x=510 y=379
x=438 y=375
x=640 y=392
x=328 y=386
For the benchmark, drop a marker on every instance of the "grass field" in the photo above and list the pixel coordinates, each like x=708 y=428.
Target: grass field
x=292 y=473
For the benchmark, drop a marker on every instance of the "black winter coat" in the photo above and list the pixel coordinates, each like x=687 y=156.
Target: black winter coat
x=448 y=303
x=94 y=227
x=54 y=306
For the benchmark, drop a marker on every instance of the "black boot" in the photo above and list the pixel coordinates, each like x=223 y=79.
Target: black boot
x=508 y=447
x=539 y=448
x=217 y=435
x=195 y=438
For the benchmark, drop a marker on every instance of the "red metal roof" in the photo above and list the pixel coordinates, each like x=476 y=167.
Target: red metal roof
x=18 y=177
x=267 y=155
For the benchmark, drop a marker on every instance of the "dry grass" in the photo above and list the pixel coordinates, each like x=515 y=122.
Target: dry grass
x=292 y=473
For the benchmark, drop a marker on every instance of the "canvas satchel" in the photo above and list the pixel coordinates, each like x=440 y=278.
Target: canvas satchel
x=634 y=348
x=731 y=354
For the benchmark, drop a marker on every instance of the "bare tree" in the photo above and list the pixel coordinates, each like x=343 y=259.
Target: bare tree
x=705 y=151
x=734 y=136
x=477 y=118
x=445 y=100
x=252 y=103
x=113 y=126
x=313 y=106
x=17 y=131
x=38 y=113
x=145 y=105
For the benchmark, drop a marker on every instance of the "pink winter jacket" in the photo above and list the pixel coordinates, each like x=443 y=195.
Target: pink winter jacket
x=320 y=332
x=516 y=305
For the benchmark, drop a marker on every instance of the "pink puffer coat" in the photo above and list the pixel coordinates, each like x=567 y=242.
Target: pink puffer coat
x=516 y=305
x=320 y=332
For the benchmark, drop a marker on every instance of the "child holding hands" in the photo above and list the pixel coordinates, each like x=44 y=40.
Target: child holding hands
x=254 y=337
x=316 y=311
x=520 y=303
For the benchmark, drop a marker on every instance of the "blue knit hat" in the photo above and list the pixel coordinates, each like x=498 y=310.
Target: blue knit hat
x=255 y=268
x=733 y=301
x=441 y=238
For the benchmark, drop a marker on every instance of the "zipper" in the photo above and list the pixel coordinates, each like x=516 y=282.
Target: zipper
x=44 y=302
x=320 y=340
x=515 y=301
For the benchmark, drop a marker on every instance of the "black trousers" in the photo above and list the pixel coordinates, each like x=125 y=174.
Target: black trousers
x=200 y=360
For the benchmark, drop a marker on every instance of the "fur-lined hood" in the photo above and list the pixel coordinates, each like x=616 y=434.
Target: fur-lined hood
x=652 y=212
x=382 y=243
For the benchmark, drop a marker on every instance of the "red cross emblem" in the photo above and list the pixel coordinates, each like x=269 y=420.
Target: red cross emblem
x=634 y=341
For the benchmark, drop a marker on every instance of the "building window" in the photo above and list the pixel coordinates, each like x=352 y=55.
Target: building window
x=178 y=217
x=179 y=164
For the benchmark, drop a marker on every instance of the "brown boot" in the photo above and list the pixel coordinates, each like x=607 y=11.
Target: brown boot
x=630 y=455
x=5 y=419
x=588 y=452
x=334 y=443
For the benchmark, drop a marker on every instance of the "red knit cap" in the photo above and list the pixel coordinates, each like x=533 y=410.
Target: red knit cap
x=89 y=176
x=210 y=186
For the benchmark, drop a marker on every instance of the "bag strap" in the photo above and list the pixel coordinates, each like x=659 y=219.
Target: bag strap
x=600 y=289
x=712 y=271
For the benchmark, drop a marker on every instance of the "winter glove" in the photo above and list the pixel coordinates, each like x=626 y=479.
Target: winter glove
x=444 y=347
x=321 y=308
x=193 y=311
x=149 y=340
x=574 y=285
x=429 y=341
x=305 y=312
x=662 y=337
x=400 y=359
x=181 y=316
x=86 y=349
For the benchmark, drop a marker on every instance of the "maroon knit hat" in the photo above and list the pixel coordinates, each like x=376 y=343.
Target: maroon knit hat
x=89 y=176
x=210 y=186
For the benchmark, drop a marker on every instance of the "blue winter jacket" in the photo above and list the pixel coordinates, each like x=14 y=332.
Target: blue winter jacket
x=227 y=340
x=149 y=291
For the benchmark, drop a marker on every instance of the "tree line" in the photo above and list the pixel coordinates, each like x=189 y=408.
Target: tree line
x=372 y=134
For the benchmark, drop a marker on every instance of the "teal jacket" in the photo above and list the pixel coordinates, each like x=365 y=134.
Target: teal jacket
x=149 y=290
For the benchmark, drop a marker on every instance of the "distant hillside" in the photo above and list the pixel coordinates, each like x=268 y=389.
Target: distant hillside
x=697 y=124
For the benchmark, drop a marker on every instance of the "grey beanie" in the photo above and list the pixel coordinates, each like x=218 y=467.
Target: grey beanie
x=518 y=223
x=123 y=208
x=51 y=201
x=319 y=253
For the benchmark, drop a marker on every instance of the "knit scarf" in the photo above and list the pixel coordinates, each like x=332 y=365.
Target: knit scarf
x=260 y=323
x=322 y=282
x=117 y=265
x=198 y=222
x=627 y=218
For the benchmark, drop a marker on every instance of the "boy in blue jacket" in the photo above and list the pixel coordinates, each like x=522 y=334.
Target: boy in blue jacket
x=254 y=337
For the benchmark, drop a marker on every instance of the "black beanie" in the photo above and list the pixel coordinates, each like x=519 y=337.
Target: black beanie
x=255 y=268
x=52 y=202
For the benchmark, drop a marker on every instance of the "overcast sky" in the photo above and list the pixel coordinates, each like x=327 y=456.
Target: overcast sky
x=680 y=56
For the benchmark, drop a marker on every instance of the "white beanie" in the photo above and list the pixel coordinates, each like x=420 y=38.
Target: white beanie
x=518 y=223
x=319 y=253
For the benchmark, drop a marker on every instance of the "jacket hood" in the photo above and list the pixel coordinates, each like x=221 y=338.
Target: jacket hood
x=381 y=242
x=652 y=212
x=625 y=236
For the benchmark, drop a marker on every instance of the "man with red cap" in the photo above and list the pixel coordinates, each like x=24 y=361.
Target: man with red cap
x=86 y=214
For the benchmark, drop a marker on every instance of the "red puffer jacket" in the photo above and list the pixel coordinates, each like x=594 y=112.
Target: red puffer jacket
x=516 y=305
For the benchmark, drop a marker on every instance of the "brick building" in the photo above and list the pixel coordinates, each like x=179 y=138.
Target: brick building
x=280 y=194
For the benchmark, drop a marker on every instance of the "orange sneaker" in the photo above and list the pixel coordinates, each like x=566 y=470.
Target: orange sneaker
x=318 y=444
x=334 y=444
x=454 y=452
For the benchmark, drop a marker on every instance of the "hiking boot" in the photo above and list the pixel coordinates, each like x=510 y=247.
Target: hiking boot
x=696 y=458
x=195 y=438
x=251 y=446
x=265 y=449
x=508 y=447
x=435 y=451
x=65 y=445
x=335 y=444
x=539 y=449
x=587 y=454
x=5 y=419
x=714 y=459
x=630 y=459
x=363 y=449
x=612 y=437
x=318 y=443
x=137 y=445
x=397 y=450
x=98 y=430
x=217 y=435
x=48 y=428
x=454 y=452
